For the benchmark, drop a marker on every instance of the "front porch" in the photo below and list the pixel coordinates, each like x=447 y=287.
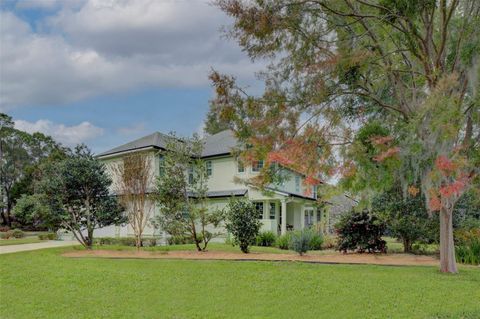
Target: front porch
x=288 y=214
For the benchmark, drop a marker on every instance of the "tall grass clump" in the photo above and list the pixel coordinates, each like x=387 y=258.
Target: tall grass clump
x=467 y=248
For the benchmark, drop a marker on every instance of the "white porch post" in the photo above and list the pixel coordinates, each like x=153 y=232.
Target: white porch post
x=315 y=216
x=284 y=217
x=302 y=217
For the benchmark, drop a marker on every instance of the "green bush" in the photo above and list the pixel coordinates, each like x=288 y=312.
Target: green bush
x=6 y=235
x=150 y=242
x=48 y=236
x=361 y=231
x=300 y=241
x=467 y=246
x=242 y=222
x=283 y=241
x=18 y=233
x=316 y=241
x=266 y=239
x=120 y=241
x=180 y=240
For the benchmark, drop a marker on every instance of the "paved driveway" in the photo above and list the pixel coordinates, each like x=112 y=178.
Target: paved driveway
x=36 y=246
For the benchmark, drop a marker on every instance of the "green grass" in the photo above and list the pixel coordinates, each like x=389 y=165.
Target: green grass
x=19 y=241
x=43 y=284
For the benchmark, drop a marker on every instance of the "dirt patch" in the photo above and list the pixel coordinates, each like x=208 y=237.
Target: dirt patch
x=336 y=258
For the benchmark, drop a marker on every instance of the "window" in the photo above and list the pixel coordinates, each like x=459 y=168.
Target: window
x=259 y=209
x=209 y=168
x=297 y=184
x=240 y=167
x=191 y=178
x=272 y=211
x=257 y=166
x=161 y=166
x=308 y=218
x=319 y=215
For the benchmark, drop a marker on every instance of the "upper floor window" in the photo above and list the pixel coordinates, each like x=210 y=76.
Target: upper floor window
x=209 y=168
x=259 y=209
x=257 y=166
x=297 y=184
x=161 y=166
x=240 y=166
x=191 y=178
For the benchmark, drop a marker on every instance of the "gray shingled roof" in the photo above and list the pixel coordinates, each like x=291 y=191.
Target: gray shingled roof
x=156 y=140
x=218 y=144
x=227 y=193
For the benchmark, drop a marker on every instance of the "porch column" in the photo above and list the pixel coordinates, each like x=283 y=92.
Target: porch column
x=302 y=217
x=315 y=216
x=284 y=217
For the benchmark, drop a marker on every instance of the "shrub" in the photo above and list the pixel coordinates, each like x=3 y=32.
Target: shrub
x=18 y=233
x=361 y=231
x=300 y=241
x=6 y=235
x=4 y=229
x=316 y=241
x=467 y=247
x=266 y=239
x=242 y=222
x=329 y=242
x=150 y=242
x=48 y=236
x=180 y=240
x=283 y=242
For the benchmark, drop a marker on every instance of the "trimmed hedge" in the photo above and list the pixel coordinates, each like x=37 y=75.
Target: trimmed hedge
x=124 y=241
x=48 y=236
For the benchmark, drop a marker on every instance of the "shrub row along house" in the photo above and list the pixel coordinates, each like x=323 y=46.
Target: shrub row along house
x=288 y=205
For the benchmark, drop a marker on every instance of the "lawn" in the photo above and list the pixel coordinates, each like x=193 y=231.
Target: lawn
x=19 y=241
x=43 y=284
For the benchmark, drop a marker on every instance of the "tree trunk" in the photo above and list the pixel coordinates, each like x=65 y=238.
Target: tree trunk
x=407 y=246
x=90 y=238
x=447 y=246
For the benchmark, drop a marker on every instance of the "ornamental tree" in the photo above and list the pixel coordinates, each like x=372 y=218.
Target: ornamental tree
x=243 y=223
x=181 y=193
x=134 y=182
x=336 y=66
x=77 y=192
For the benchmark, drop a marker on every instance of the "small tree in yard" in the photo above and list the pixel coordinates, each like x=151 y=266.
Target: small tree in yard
x=133 y=180
x=408 y=219
x=77 y=191
x=361 y=231
x=242 y=222
x=182 y=193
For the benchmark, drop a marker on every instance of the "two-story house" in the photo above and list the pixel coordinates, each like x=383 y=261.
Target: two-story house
x=284 y=207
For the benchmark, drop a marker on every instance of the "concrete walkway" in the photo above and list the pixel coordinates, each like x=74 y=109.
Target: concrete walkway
x=27 y=247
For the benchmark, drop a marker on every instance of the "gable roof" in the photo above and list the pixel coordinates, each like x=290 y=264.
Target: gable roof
x=156 y=140
x=221 y=143
x=217 y=144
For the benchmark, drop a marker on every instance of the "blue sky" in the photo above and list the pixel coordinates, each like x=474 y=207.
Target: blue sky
x=106 y=72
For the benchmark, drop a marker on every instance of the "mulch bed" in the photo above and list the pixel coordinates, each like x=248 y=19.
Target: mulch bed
x=333 y=258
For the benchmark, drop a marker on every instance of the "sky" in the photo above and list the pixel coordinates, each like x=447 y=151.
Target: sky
x=105 y=72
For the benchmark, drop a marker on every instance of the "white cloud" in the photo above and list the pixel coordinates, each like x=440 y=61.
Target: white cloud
x=104 y=47
x=67 y=135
